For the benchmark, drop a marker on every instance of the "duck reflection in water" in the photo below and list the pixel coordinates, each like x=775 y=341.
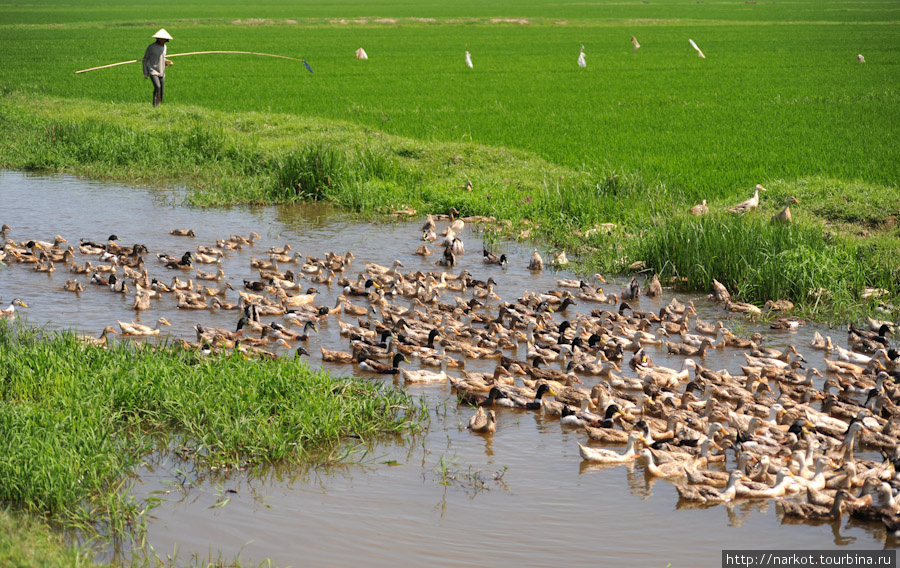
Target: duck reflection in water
x=641 y=483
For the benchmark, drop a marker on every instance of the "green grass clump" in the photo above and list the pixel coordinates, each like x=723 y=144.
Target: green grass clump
x=74 y=421
x=760 y=260
x=28 y=543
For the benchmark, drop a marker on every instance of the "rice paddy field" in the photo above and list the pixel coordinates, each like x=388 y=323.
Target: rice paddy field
x=602 y=161
x=780 y=95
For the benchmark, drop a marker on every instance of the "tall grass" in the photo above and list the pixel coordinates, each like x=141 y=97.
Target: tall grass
x=762 y=261
x=75 y=421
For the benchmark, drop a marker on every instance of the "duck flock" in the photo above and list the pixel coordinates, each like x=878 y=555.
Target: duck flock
x=782 y=429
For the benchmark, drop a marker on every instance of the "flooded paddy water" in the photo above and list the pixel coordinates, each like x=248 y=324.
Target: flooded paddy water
x=445 y=497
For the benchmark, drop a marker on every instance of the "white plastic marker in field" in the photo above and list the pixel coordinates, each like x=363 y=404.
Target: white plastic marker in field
x=581 y=61
x=361 y=54
x=700 y=53
x=634 y=44
x=469 y=61
x=860 y=58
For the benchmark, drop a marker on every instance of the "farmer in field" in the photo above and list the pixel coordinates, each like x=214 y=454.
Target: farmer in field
x=155 y=64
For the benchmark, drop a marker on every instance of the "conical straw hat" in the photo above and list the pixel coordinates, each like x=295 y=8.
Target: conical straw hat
x=162 y=34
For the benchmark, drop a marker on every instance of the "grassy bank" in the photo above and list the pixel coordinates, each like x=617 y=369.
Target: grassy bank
x=779 y=96
x=843 y=238
x=74 y=421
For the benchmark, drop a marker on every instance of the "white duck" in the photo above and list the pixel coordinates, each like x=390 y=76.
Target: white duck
x=750 y=204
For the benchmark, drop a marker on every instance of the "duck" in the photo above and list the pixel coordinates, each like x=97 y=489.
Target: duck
x=749 y=204
x=304 y=335
x=260 y=264
x=101 y=341
x=141 y=300
x=604 y=431
x=57 y=240
x=848 y=356
x=700 y=209
x=559 y=259
x=581 y=417
x=352 y=290
x=73 y=285
x=654 y=288
x=600 y=455
x=278 y=330
x=375 y=366
x=494 y=397
x=521 y=401
x=773 y=353
x=182 y=232
x=423 y=250
x=136 y=329
x=216 y=335
x=536 y=263
x=221 y=304
x=424 y=375
x=491 y=258
x=708 y=494
x=632 y=291
x=184 y=301
x=41 y=267
x=743 y=308
x=483 y=422
x=10 y=311
x=242 y=240
x=689 y=350
x=336 y=356
x=811 y=512
x=784 y=216
x=665 y=470
x=297 y=300
x=482 y=382
x=279 y=250
x=85 y=268
x=207 y=258
x=883 y=508
x=783 y=481
x=822 y=343
x=349 y=308
x=588 y=294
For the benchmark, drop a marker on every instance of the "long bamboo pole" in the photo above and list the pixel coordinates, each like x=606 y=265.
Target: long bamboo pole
x=191 y=53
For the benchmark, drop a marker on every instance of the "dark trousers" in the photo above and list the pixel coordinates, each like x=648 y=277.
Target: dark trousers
x=158 y=84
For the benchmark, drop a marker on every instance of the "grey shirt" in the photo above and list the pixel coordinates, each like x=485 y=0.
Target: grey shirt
x=155 y=60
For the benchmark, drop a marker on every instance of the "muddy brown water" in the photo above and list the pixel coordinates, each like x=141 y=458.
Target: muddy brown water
x=442 y=498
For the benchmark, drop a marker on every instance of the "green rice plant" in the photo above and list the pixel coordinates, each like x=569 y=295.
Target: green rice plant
x=759 y=260
x=75 y=421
